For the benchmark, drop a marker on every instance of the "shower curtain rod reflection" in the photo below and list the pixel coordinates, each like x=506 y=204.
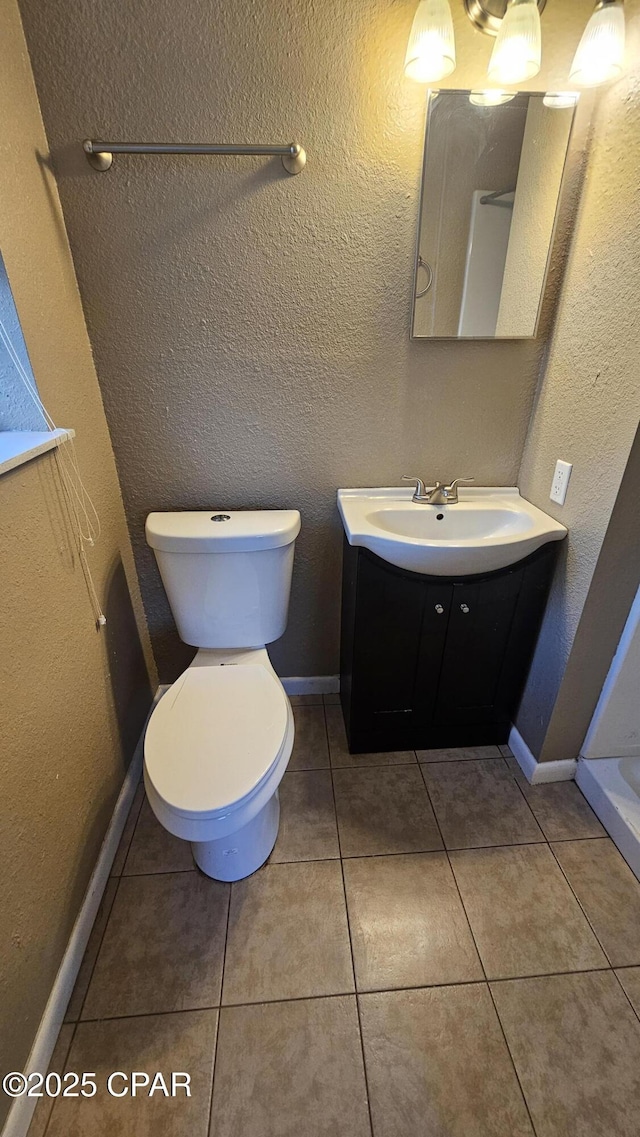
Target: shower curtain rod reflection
x=494 y=198
x=100 y=154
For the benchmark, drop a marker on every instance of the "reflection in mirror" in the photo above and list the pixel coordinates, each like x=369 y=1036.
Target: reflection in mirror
x=491 y=183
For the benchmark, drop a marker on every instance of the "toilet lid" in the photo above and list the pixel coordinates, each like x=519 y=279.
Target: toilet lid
x=214 y=736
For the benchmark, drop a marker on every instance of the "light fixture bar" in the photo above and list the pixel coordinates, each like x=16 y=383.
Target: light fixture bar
x=487 y=15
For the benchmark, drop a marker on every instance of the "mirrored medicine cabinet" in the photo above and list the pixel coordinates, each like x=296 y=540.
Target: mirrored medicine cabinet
x=491 y=183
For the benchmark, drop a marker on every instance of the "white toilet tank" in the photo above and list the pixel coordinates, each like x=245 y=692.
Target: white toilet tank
x=227 y=575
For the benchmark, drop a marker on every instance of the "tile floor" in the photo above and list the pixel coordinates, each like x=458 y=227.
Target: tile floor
x=435 y=949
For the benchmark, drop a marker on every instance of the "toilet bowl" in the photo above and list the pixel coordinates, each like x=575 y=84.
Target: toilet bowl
x=215 y=750
x=218 y=742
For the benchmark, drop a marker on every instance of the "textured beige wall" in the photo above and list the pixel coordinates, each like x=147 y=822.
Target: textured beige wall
x=251 y=331
x=588 y=405
x=611 y=593
x=72 y=700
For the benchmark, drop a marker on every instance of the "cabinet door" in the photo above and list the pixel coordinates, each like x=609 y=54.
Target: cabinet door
x=478 y=632
x=388 y=622
x=435 y=622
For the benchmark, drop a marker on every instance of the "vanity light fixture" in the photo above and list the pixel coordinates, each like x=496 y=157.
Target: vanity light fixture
x=491 y=98
x=431 y=51
x=517 y=52
x=601 y=50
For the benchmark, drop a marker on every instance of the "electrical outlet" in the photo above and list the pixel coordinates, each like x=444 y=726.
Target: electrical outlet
x=560 y=481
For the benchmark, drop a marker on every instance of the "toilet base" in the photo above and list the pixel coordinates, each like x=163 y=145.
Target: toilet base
x=242 y=852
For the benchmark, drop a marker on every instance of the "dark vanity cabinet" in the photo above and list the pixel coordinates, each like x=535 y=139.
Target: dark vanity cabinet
x=436 y=661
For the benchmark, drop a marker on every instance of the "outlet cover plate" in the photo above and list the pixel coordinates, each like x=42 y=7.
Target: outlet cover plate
x=560 y=481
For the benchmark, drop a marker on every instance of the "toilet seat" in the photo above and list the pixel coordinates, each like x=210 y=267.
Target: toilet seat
x=215 y=737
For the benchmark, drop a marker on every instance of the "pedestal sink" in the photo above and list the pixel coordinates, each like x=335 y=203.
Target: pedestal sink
x=487 y=529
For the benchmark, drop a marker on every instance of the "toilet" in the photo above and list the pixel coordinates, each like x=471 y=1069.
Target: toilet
x=219 y=741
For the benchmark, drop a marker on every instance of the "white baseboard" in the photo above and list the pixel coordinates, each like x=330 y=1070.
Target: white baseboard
x=311 y=684
x=538 y=772
x=21 y=1112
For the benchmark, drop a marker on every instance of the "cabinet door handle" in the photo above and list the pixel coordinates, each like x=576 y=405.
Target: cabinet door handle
x=439 y=609
x=464 y=607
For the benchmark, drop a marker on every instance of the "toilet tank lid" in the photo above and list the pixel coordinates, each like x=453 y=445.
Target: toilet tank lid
x=222 y=530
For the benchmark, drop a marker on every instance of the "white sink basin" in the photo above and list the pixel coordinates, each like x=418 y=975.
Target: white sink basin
x=487 y=529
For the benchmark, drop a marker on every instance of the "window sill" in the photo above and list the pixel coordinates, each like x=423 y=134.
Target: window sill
x=19 y=446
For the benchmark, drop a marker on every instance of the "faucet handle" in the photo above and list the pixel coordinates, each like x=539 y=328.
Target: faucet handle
x=419 y=483
x=459 y=481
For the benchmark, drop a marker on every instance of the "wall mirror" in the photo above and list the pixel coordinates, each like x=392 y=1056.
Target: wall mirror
x=491 y=180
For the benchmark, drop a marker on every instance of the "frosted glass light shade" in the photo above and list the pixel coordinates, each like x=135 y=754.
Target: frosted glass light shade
x=431 y=51
x=518 y=48
x=600 y=52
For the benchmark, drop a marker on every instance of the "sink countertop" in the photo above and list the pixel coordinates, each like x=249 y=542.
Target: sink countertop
x=487 y=529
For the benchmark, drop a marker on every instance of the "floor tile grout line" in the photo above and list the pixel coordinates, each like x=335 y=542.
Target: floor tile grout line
x=351 y=952
x=493 y=1002
x=372 y=765
x=355 y=991
x=219 y=1016
x=621 y=985
x=225 y=1006
x=305 y=770
x=524 y=798
x=507 y=845
x=512 y=1059
x=465 y=982
x=135 y=825
x=488 y=986
x=456 y=761
x=335 y=808
x=481 y=962
x=566 y=840
x=469 y=848
x=170 y=872
x=410 y=853
x=581 y=905
x=347 y=993
x=160 y=872
x=457 y=887
x=226 y=940
x=95 y=962
x=74 y=1025
x=549 y=974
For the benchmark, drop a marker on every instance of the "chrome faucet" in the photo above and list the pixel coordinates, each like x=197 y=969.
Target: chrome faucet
x=439 y=495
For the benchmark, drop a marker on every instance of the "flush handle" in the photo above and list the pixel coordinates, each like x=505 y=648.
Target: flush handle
x=464 y=608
